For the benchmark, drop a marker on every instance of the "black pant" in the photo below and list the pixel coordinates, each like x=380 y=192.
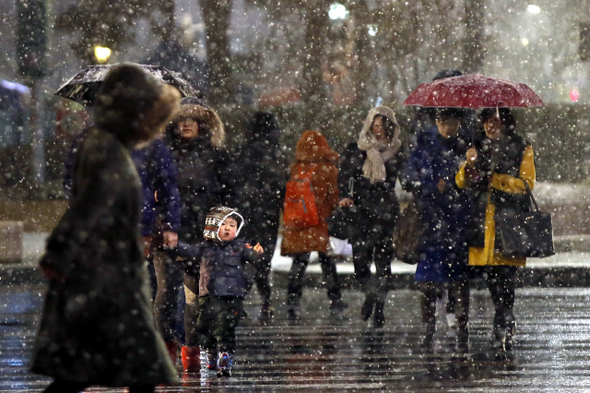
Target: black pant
x=431 y=291
x=365 y=249
x=64 y=386
x=297 y=272
x=218 y=319
x=501 y=282
x=169 y=276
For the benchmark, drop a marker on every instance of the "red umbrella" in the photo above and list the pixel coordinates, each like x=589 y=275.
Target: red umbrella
x=473 y=91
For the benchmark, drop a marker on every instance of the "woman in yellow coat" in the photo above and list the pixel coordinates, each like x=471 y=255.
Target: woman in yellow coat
x=495 y=172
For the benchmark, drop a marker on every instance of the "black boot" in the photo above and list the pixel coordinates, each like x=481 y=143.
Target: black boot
x=509 y=338
x=462 y=341
x=368 y=305
x=379 y=317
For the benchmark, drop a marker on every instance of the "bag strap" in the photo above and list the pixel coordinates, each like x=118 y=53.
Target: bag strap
x=530 y=194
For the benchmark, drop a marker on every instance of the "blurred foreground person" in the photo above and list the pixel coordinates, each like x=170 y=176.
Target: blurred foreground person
x=97 y=326
x=498 y=171
x=305 y=215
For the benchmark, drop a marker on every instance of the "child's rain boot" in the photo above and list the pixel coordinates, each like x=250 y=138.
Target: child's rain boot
x=191 y=359
x=225 y=364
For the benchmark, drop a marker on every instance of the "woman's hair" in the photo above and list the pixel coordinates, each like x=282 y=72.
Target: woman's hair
x=388 y=126
x=505 y=116
x=450 y=113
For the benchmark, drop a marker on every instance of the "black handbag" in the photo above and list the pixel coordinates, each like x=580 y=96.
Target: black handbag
x=407 y=235
x=525 y=233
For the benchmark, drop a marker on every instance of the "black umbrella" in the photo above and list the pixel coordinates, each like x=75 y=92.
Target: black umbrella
x=83 y=87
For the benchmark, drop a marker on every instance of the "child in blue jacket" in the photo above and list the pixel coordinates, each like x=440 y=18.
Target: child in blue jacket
x=221 y=260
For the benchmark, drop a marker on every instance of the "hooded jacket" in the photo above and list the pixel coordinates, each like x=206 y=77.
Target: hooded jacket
x=97 y=325
x=312 y=149
x=203 y=167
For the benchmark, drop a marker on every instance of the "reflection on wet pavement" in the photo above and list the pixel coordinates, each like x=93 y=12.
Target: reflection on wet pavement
x=328 y=352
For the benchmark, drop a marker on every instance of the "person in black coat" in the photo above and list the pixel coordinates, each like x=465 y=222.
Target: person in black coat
x=262 y=172
x=97 y=326
x=195 y=137
x=369 y=170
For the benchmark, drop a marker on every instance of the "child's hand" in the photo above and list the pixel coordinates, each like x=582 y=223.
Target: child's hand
x=258 y=248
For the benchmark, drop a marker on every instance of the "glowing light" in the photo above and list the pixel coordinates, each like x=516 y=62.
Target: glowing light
x=373 y=30
x=533 y=9
x=102 y=53
x=524 y=42
x=337 y=11
x=574 y=95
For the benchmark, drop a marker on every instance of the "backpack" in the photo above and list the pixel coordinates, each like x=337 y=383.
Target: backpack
x=299 y=209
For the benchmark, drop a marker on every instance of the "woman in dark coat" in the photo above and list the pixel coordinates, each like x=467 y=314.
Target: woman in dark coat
x=444 y=208
x=97 y=326
x=497 y=171
x=195 y=137
x=263 y=173
x=369 y=170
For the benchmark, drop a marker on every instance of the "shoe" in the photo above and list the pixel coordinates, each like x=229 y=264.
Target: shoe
x=172 y=349
x=242 y=314
x=428 y=344
x=368 y=305
x=225 y=364
x=294 y=312
x=191 y=359
x=338 y=305
x=379 y=316
x=212 y=360
x=267 y=311
x=509 y=337
x=451 y=320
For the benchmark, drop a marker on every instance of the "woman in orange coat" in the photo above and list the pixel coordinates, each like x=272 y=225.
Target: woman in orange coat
x=313 y=152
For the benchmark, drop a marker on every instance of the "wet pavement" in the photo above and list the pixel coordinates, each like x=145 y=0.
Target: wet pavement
x=324 y=352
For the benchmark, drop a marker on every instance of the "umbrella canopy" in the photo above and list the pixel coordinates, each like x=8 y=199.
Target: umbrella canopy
x=473 y=91
x=83 y=87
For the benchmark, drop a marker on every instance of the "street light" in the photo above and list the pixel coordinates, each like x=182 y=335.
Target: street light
x=102 y=53
x=338 y=11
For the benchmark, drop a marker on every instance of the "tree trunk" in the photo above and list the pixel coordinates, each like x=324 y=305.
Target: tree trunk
x=216 y=15
x=473 y=53
x=363 y=75
x=316 y=15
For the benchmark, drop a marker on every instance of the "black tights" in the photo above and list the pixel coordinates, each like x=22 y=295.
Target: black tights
x=65 y=386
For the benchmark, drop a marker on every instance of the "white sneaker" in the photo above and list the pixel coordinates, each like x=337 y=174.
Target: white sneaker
x=451 y=321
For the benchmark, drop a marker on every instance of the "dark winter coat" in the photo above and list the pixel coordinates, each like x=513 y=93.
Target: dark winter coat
x=443 y=253
x=261 y=173
x=204 y=174
x=158 y=173
x=97 y=325
x=222 y=266
x=375 y=204
x=313 y=149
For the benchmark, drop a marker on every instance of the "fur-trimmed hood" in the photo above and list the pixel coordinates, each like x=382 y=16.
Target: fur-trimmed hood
x=206 y=118
x=313 y=147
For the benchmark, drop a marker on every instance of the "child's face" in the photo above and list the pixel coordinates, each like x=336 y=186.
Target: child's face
x=228 y=229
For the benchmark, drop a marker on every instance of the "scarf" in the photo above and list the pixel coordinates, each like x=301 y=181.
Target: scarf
x=378 y=152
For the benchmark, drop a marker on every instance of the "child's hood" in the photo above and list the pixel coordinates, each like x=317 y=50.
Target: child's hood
x=216 y=217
